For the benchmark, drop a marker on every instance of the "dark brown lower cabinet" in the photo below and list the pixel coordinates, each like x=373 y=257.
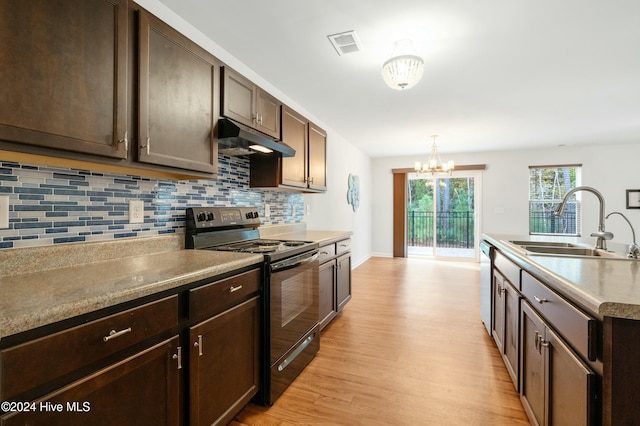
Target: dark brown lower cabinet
x=327 y=296
x=557 y=387
x=142 y=389
x=506 y=324
x=343 y=281
x=224 y=364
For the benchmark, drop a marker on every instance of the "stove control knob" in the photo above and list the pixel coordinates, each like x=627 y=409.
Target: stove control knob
x=202 y=217
x=209 y=216
x=255 y=214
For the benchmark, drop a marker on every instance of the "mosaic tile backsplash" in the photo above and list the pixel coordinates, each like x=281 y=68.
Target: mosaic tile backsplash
x=51 y=205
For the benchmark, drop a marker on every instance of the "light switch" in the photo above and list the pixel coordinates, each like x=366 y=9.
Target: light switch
x=4 y=211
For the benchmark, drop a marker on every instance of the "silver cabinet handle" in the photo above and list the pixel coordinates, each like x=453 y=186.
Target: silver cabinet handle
x=113 y=334
x=178 y=357
x=540 y=301
x=198 y=344
x=148 y=145
x=125 y=141
x=233 y=289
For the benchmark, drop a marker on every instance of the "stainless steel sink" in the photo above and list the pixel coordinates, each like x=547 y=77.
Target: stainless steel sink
x=543 y=244
x=562 y=249
x=566 y=251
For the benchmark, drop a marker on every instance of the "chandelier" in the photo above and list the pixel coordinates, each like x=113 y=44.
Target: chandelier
x=434 y=164
x=404 y=69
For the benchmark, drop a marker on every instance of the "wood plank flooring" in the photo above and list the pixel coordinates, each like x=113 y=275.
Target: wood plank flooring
x=409 y=349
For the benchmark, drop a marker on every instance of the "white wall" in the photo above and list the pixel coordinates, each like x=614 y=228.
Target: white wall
x=611 y=169
x=329 y=211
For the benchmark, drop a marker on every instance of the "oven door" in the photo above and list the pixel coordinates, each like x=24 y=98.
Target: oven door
x=294 y=301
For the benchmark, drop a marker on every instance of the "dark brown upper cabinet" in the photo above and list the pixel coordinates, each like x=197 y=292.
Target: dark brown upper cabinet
x=178 y=108
x=64 y=75
x=248 y=104
x=304 y=172
x=317 y=161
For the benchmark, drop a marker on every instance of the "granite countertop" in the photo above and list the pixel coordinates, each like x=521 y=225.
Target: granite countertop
x=74 y=279
x=601 y=286
x=34 y=299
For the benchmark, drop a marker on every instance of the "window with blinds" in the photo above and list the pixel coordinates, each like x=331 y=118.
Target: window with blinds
x=547 y=187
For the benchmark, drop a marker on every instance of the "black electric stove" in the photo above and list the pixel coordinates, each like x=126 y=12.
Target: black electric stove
x=290 y=290
x=235 y=229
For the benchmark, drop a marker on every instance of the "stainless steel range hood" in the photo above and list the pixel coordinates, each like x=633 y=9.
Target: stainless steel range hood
x=237 y=139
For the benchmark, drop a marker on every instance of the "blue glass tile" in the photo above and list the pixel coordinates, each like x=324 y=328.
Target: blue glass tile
x=32 y=225
x=57 y=230
x=125 y=235
x=68 y=240
x=31 y=208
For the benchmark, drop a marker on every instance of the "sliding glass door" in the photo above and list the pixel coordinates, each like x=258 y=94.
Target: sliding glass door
x=442 y=215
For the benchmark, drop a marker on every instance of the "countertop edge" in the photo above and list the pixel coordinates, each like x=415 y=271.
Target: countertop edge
x=598 y=307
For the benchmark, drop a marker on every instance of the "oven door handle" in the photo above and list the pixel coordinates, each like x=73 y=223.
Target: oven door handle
x=294 y=261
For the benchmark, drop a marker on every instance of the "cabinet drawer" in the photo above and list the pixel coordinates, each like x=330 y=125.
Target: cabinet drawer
x=38 y=362
x=577 y=328
x=326 y=252
x=343 y=246
x=211 y=299
x=508 y=269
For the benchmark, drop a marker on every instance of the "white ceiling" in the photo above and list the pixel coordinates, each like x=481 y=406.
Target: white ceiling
x=499 y=74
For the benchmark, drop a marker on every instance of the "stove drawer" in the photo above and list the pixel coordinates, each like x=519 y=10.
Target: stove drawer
x=218 y=296
x=40 y=361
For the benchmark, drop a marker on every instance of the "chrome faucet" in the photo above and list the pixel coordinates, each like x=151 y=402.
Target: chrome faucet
x=601 y=235
x=634 y=249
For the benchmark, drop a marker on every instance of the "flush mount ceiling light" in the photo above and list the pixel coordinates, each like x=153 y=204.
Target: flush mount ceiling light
x=434 y=164
x=404 y=69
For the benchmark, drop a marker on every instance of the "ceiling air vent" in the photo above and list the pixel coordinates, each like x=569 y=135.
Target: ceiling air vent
x=345 y=42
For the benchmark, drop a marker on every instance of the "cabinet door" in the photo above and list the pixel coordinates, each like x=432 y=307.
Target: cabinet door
x=327 y=281
x=224 y=364
x=532 y=386
x=317 y=158
x=178 y=99
x=511 y=331
x=572 y=386
x=268 y=113
x=140 y=390
x=294 y=134
x=498 y=310
x=238 y=97
x=64 y=74
x=343 y=285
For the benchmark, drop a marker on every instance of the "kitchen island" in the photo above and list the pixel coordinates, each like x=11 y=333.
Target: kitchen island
x=570 y=330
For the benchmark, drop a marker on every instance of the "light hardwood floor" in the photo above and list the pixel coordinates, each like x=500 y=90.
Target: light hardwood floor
x=409 y=349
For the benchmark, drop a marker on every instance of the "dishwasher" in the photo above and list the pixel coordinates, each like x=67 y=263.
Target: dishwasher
x=486 y=260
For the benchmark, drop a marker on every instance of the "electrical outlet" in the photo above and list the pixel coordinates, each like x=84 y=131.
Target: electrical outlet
x=308 y=209
x=136 y=211
x=267 y=210
x=4 y=211
x=293 y=210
